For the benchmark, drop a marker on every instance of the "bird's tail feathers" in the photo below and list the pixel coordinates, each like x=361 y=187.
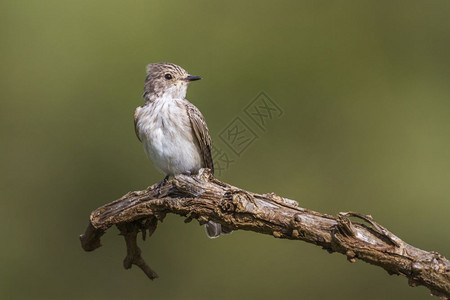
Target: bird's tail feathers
x=213 y=230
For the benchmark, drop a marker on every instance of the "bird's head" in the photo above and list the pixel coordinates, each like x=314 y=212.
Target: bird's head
x=167 y=80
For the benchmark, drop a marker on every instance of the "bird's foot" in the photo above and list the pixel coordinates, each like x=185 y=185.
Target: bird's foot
x=161 y=184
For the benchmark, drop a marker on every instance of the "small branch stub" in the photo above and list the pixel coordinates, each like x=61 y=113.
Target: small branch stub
x=130 y=232
x=204 y=198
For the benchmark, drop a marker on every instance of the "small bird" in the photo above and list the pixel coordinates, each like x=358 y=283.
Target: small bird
x=172 y=130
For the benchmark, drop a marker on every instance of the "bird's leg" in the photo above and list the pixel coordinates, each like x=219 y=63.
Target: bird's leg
x=161 y=184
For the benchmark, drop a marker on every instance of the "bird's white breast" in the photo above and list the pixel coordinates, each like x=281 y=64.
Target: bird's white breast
x=165 y=131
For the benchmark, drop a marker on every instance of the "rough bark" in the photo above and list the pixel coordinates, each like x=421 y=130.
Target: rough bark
x=204 y=198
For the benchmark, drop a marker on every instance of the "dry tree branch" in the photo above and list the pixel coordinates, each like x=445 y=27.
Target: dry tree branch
x=204 y=198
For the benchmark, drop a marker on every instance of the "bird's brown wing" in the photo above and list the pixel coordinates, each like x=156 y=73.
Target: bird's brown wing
x=201 y=132
x=135 y=124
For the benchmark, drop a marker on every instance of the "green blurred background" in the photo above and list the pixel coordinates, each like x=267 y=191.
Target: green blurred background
x=365 y=90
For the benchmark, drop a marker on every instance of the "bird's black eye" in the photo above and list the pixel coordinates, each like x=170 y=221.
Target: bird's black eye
x=168 y=76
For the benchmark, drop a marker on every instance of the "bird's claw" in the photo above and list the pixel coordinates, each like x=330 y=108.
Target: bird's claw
x=161 y=184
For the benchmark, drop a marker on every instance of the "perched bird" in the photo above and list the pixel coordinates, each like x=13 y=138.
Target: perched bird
x=172 y=130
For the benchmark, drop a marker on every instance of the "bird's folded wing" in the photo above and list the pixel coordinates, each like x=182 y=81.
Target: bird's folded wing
x=136 y=118
x=201 y=132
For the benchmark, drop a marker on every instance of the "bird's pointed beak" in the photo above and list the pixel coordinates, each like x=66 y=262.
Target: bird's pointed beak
x=193 y=78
